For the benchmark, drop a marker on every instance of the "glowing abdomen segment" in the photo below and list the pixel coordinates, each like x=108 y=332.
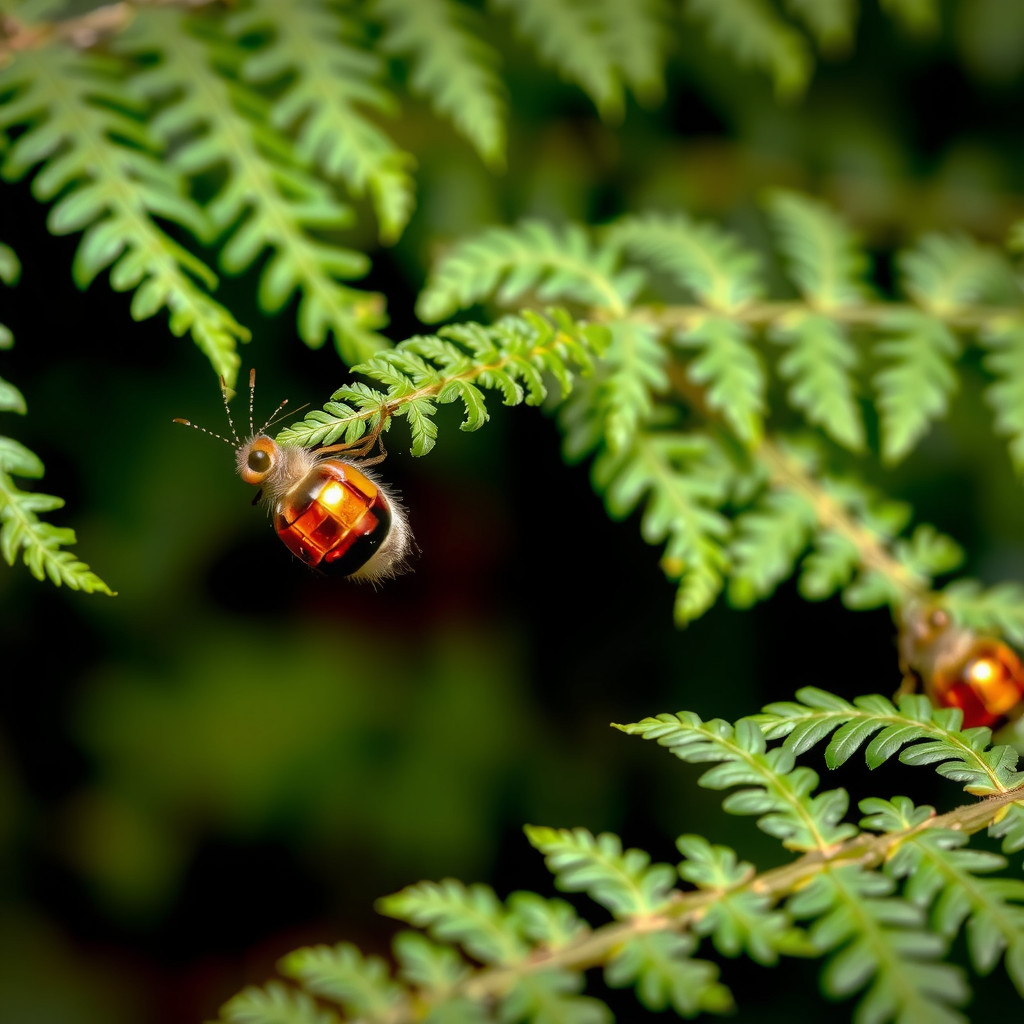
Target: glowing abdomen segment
x=986 y=685
x=334 y=519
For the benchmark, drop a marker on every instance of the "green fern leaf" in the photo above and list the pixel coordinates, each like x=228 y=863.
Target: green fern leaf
x=42 y=546
x=830 y=566
x=660 y=967
x=552 y=924
x=471 y=915
x=878 y=941
x=558 y=265
x=451 y=66
x=623 y=881
x=919 y=732
x=701 y=258
x=730 y=370
x=775 y=790
x=947 y=273
x=575 y=43
x=1004 y=341
x=10 y=265
x=822 y=255
x=767 y=540
x=77 y=107
x=331 y=80
x=683 y=481
x=275 y=1004
x=739 y=921
x=929 y=553
x=941 y=874
x=267 y=200
x=451 y=366
x=915 y=388
x=818 y=361
x=636 y=34
x=1011 y=830
x=362 y=986
x=756 y=37
x=550 y=997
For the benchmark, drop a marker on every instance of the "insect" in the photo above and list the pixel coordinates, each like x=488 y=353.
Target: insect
x=959 y=668
x=332 y=513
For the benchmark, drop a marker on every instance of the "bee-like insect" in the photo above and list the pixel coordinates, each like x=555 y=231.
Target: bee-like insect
x=959 y=668
x=332 y=513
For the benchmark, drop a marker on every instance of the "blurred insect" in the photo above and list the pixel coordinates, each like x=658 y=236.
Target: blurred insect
x=958 y=668
x=330 y=512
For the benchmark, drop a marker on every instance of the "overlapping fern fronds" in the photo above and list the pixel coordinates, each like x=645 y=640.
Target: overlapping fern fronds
x=677 y=415
x=42 y=546
x=879 y=901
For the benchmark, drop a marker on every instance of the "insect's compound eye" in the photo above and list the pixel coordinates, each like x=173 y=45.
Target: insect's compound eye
x=259 y=461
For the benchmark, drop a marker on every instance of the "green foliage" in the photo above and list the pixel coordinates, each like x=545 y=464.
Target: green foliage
x=879 y=904
x=42 y=546
x=453 y=366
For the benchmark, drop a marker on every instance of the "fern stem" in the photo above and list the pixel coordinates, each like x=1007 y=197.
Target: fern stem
x=786 y=472
x=764 y=314
x=596 y=947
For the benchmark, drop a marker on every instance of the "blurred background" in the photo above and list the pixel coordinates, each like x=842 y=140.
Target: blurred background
x=235 y=757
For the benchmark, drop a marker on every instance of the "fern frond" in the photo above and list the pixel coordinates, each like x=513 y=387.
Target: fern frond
x=332 y=82
x=730 y=370
x=623 y=881
x=555 y=264
x=738 y=920
x=471 y=916
x=509 y=356
x=574 y=42
x=636 y=33
x=42 y=546
x=710 y=263
x=267 y=200
x=361 y=986
x=944 y=274
x=920 y=733
x=452 y=67
x=767 y=540
x=776 y=790
x=880 y=941
x=667 y=977
x=1004 y=341
x=680 y=480
x=818 y=361
x=822 y=255
x=275 y=1004
x=914 y=388
x=618 y=400
x=103 y=167
x=941 y=874
x=752 y=32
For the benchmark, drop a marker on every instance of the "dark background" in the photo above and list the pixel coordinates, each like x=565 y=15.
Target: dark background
x=235 y=757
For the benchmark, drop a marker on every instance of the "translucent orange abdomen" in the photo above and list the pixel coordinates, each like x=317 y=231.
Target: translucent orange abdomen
x=334 y=519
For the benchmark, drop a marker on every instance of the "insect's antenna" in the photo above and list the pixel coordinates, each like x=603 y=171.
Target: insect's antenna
x=252 y=397
x=277 y=419
x=227 y=409
x=195 y=426
x=273 y=416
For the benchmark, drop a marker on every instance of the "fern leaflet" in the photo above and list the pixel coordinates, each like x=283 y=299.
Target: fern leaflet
x=78 y=112
x=754 y=34
x=267 y=201
x=331 y=79
x=451 y=66
x=558 y=265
